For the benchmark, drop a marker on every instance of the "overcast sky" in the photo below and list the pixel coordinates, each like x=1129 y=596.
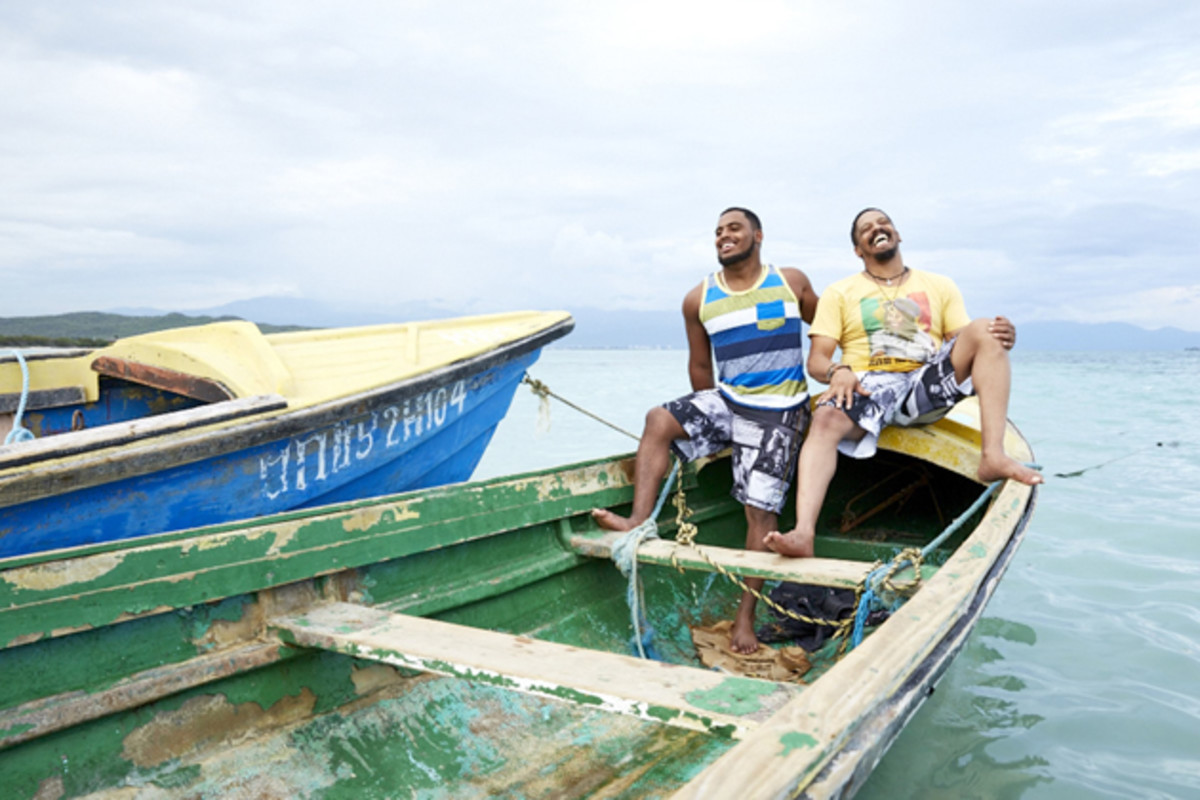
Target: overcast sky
x=500 y=155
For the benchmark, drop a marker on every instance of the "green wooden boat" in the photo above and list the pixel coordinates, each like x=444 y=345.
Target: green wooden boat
x=474 y=641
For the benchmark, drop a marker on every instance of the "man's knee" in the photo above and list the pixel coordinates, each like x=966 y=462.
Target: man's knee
x=661 y=424
x=978 y=334
x=974 y=339
x=827 y=422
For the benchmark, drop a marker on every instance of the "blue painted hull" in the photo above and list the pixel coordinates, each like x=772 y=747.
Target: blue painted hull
x=431 y=432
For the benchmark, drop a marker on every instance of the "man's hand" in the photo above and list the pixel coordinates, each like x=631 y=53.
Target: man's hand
x=1004 y=331
x=843 y=386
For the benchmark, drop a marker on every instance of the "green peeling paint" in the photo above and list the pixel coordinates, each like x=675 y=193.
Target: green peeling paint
x=796 y=741
x=15 y=730
x=738 y=696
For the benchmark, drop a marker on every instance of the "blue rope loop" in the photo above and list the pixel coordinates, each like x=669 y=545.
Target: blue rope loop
x=624 y=554
x=20 y=433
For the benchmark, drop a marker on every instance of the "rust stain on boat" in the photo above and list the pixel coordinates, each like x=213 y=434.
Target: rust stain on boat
x=207 y=720
x=57 y=574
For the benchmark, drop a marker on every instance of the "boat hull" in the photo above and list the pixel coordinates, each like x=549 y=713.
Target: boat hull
x=423 y=431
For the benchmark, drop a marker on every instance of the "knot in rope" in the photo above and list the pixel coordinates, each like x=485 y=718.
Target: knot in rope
x=543 y=392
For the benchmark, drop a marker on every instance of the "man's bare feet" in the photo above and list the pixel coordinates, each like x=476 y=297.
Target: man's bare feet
x=612 y=522
x=793 y=544
x=999 y=468
x=741 y=637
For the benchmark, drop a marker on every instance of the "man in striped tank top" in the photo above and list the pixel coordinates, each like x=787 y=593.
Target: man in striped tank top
x=745 y=317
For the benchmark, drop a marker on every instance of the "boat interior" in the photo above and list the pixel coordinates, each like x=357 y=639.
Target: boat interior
x=480 y=651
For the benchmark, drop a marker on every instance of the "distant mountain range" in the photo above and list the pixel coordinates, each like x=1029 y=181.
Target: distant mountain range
x=594 y=328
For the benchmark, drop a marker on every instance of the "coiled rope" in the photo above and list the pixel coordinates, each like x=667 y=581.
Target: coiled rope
x=20 y=433
x=624 y=554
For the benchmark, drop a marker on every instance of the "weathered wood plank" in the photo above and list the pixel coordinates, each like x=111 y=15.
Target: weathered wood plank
x=122 y=433
x=203 y=389
x=43 y=398
x=838 y=573
x=688 y=697
x=50 y=714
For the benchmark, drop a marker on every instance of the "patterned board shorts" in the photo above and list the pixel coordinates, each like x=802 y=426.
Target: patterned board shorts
x=765 y=443
x=903 y=398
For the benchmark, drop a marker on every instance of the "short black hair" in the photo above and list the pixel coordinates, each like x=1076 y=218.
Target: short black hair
x=854 y=224
x=755 y=222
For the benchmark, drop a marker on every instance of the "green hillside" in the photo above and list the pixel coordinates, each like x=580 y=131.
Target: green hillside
x=95 y=329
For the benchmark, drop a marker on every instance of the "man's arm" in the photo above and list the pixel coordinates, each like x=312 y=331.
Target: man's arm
x=802 y=288
x=700 y=366
x=843 y=383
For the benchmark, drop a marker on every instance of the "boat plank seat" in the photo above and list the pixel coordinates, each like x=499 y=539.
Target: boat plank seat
x=838 y=573
x=682 y=696
x=65 y=444
x=204 y=389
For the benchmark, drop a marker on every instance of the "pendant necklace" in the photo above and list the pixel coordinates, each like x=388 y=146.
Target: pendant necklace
x=880 y=282
x=888 y=281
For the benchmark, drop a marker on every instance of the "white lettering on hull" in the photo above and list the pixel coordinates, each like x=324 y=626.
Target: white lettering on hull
x=311 y=458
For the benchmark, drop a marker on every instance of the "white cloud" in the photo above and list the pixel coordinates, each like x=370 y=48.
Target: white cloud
x=552 y=154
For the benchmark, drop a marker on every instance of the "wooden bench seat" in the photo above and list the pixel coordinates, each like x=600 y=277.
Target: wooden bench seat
x=688 y=697
x=838 y=573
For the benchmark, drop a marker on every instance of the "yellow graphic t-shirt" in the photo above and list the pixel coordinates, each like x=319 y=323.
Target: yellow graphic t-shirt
x=890 y=329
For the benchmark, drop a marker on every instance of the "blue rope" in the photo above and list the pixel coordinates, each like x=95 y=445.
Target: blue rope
x=624 y=553
x=18 y=432
x=872 y=601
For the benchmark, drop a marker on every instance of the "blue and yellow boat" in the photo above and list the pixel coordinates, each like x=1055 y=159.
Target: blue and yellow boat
x=201 y=425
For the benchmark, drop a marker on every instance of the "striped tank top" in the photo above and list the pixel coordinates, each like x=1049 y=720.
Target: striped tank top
x=756 y=341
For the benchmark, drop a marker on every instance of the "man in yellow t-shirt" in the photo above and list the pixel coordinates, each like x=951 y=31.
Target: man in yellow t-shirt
x=910 y=352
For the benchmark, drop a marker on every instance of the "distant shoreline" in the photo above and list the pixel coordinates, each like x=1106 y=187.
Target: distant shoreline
x=594 y=330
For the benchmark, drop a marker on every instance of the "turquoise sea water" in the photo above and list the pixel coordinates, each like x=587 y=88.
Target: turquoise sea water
x=1083 y=678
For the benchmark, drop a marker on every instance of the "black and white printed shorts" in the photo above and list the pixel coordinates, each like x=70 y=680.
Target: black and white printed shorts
x=903 y=398
x=765 y=442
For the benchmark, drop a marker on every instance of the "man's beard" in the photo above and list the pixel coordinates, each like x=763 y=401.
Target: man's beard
x=735 y=258
x=886 y=255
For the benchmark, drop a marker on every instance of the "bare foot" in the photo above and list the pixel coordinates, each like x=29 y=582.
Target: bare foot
x=794 y=544
x=612 y=522
x=741 y=637
x=999 y=468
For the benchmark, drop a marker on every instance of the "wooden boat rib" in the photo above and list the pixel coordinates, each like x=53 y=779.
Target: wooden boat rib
x=473 y=640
